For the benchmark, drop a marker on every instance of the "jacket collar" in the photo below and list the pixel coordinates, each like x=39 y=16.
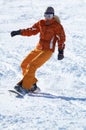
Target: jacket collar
x=49 y=22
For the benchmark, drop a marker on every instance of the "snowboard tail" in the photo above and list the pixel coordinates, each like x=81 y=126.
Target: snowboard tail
x=18 y=94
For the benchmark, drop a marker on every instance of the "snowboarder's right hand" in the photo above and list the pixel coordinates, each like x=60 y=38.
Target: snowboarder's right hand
x=14 y=33
x=60 y=54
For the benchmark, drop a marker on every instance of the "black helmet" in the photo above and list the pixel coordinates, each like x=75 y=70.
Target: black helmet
x=49 y=10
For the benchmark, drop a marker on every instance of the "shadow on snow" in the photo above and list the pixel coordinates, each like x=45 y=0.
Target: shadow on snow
x=51 y=96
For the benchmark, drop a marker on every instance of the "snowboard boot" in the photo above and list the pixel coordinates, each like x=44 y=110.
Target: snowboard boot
x=35 y=88
x=20 y=89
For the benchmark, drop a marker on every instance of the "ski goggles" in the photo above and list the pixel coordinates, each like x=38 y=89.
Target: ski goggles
x=48 y=16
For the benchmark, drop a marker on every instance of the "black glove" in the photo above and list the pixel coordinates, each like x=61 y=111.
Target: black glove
x=60 y=55
x=13 y=33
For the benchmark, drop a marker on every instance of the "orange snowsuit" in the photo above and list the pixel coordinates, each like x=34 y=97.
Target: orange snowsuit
x=50 y=32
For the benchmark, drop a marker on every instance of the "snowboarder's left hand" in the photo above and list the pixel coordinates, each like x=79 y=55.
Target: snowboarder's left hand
x=14 y=33
x=60 y=55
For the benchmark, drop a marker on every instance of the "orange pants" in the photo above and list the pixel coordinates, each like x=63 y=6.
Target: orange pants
x=31 y=63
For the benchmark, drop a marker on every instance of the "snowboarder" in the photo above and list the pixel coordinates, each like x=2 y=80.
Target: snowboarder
x=51 y=31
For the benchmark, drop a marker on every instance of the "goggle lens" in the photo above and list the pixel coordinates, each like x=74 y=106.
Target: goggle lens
x=48 y=16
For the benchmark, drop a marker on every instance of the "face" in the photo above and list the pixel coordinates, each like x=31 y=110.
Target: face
x=48 y=16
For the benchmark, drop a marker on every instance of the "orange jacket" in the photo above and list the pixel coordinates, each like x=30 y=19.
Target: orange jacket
x=50 y=32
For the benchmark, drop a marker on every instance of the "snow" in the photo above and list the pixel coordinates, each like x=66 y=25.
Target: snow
x=65 y=80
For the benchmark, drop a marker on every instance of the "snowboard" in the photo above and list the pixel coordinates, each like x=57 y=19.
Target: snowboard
x=34 y=94
x=18 y=94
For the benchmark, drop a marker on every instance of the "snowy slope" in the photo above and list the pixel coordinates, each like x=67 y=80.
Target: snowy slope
x=65 y=80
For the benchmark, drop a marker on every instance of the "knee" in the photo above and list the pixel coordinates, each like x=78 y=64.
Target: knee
x=32 y=67
x=23 y=65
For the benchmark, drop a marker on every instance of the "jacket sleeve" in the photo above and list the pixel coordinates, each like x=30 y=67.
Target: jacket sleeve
x=31 y=31
x=60 y=35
